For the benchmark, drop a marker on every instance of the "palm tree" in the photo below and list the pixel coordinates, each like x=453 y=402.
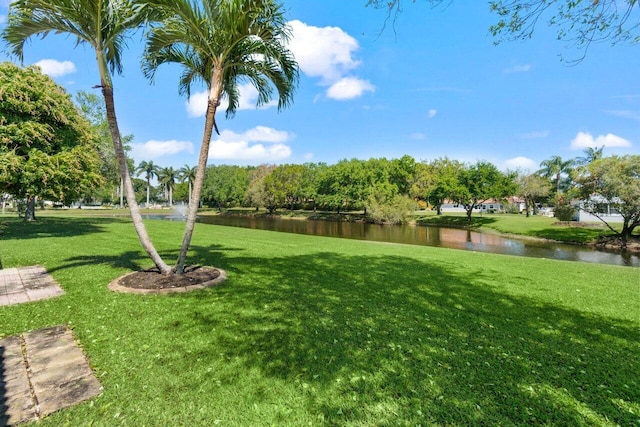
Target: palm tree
x=554 y=168
x=168 y=177
x=150 y=170
x=591 y=154
x=221 y=43
x=104 y=25
x=188 y=174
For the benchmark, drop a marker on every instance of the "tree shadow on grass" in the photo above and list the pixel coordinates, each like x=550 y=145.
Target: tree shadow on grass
x=139 y=260
x=395 y=341
x=17 y=229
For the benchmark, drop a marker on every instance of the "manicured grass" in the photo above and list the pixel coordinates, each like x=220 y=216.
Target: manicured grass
x=320 y=331
x=534 y=226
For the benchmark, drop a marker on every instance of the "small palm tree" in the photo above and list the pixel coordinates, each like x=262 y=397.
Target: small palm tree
x=105 y=26
x=554 y=168
x=188 y=175
x=150 y=170
x=591 y=154
x=168 y=177
x=221 y=43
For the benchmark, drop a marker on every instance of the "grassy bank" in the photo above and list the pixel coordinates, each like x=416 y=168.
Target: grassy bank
x=537 y=226
x=319 y=331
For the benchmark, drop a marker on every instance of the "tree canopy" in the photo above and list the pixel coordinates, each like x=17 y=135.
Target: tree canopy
x=46 y=146
x=615 y=181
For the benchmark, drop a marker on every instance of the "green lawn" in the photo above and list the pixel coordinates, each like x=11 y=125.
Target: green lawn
x=320 y=331
x=534 y=226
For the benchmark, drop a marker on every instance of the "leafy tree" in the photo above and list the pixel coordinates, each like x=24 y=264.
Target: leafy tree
x=225 y=185
x=256 y=195
x=437 y=181
x=150 y=170
x=347 y=184
x=615 y=181
x=578 y=22
x=220 y=43
x=284 y=186
x=533 y=188
x=104 y=25
x=480 y=182
x=47 y=148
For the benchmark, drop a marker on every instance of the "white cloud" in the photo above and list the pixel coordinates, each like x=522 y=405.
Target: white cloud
x=260 y=144
x=323 y=52
x=432 y=113
x=153 y=149
x=521 y=163
x=54 y=68
x=518 y=69
x=349 y=88
x=327 y=53
x=418 y=136
x=586 y=140
x=197 y=103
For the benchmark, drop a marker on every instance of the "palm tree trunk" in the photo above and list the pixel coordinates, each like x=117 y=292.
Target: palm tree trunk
x=209 y=125
x=148 y=185
x=143 y=236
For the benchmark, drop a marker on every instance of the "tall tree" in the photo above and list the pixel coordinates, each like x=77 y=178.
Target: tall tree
x=47 y=148
x=532 y=188
x=168 y=177
x=481 y=182
x=221 y=43
x=591 y=154
x=614 y=181
x=555 y=168
x=104 y=25
x=150 y=170
x=188 y=174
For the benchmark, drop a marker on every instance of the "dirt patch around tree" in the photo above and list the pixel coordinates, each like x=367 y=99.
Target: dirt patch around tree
x=151 y=281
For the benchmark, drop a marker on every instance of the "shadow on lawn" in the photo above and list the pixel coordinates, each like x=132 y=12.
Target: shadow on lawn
x=16 y=228
x=374 y=340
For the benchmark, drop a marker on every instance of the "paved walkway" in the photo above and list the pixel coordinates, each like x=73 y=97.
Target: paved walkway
x=26 y=284
x=40 y=372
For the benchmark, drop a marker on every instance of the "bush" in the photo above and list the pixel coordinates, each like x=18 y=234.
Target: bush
x=393 y=211
x=564 y=212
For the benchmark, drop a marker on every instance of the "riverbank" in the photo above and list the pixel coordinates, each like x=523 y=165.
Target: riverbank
x=534 y=228
x=538 y=227
x=311 y=330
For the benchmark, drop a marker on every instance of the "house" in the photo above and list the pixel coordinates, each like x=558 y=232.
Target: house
x=605 y=210
x=489 y=206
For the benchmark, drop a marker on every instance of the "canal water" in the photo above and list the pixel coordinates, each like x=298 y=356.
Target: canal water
x=425 y=236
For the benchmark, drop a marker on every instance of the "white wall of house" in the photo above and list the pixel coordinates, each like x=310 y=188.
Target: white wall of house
x=583 y=216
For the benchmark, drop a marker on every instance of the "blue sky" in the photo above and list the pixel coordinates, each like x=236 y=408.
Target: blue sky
x=436 y=86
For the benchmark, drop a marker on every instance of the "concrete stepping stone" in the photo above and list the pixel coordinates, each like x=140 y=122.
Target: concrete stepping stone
x=41 y=372
x=26 y=284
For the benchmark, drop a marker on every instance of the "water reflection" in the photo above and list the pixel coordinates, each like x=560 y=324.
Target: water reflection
x=423 y=235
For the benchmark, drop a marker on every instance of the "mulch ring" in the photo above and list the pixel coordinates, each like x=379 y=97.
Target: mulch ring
x=151 y=281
